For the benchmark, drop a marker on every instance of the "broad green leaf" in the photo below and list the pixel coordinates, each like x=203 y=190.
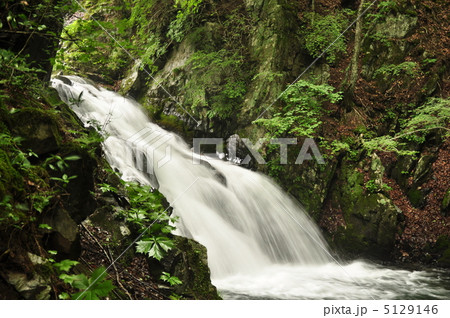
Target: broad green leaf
x=81 y=282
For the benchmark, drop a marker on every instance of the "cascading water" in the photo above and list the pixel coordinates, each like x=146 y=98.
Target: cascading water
x=260 y=243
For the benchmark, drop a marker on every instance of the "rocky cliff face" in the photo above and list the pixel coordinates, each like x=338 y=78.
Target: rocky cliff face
x=52 y=206
x=215 y=66
x=53 y=209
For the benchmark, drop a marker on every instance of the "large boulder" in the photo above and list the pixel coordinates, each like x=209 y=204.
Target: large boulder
x=188 y=261
x=371 y=218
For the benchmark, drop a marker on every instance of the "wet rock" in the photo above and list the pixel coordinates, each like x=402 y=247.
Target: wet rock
x=188 y=261
x=29 y=288
x=371 y=218
x=397 y=26
x=38 y=128
x=423 y=168
x=63 y=236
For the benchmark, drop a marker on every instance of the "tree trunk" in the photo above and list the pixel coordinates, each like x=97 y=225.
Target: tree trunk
x=357 y=49
x=352 y=76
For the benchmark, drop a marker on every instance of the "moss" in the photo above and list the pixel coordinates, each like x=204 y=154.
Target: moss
x=348 y=240
x=442 y=244
x=3 y=118
x=444 y=261
x=204 y=38
x=371 y=218
x=193 y=271
x=171 y=123
x=416 y=197
x=51 y=97
x=10 y=179
x=39 y=128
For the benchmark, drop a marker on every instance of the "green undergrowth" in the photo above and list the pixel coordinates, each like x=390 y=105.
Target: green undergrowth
x=149 y=216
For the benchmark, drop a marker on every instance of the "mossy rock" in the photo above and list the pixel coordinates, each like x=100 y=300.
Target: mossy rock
x=403 y=169
x=104 y=218
x=172 y=123
x=444 y=261
x=11 y=181
x=39 y=129
x=311 y=185
x=417 y=197
x=188 y=261
x=349 y=241
x=371 y=219
x=80 y=203
x=442 y=244
x=423 y=168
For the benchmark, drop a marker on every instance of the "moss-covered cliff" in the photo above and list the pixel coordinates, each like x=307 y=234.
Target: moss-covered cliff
x=60 y=221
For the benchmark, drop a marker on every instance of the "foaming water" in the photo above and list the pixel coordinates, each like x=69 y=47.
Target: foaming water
x=260 y=243
x=358 y=280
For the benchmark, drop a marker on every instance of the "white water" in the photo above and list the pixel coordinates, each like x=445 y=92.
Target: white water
x=260 y=243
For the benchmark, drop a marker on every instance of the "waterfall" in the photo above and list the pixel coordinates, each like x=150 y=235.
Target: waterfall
x=260 y=243
x=242 y=217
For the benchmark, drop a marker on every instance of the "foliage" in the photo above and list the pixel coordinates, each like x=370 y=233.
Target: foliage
x=184 y=18
x=15 y=72
x=94 y=287
x=147 y=41
x=88 y=42
x=65 y=265
x=149 y=215
x=388 y=144
x=433 y=115
x=383 y=9
x=89 y=140
x=374 y=187
x=322 y=33
x=302 y=111
x=15 y=167
x=154 y=246
x=392 y=71
x=219 y=75
x=55 y=161
x=345 y=145
x=23 y=23
x=172 y=280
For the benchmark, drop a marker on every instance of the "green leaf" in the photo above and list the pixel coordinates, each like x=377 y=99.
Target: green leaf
x=65 y=265
x=172 y=280
x=155 y=246
x=94 y=288
x=81 y=282
x=45 y=226
x=72 y=158
x=63 y=296
x=70 y=279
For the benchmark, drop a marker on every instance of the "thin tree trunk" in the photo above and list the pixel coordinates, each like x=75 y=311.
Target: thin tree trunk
x=357 y=49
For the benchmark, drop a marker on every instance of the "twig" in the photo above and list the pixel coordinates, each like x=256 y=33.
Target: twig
x=117 y=276
x=412 y=132
x=110 y=259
